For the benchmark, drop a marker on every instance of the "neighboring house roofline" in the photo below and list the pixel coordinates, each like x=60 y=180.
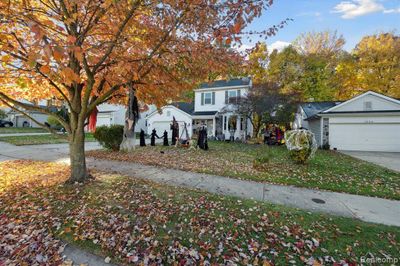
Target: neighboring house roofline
x=204 y=114
x=311 y=113
x=224 y=84
x=223 y=88
x=360 y=112
x=359 y=96
x=166 y=106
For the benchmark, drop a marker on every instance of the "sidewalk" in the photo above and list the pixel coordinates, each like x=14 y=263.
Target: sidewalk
x=368 y=209
x=23 y=134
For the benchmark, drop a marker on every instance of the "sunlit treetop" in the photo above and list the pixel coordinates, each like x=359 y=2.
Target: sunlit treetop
x=95 y=50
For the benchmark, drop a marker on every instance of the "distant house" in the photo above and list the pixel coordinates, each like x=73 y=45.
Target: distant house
x=114 y=114
x=160 y=120
x=20 y=120
x=213 y=108
x=367 y=122
x=307 y=117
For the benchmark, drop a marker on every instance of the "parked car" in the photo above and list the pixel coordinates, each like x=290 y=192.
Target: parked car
x=5 y=123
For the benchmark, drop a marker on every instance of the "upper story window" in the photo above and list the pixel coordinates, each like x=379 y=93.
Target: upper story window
x=168 y=113
x=208 y=98
x=232 y=96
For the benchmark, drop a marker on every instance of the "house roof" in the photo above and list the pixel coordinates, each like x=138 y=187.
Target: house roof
x=226 y=83
x=49 y=108
x=184 y=106
x=333 y=108
x=206 y=113
x=311 y=109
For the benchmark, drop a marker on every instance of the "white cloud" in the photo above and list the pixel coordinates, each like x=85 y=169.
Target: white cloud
x=391 y=11
x=356 y=8
x=278 y=45
x=310 y=14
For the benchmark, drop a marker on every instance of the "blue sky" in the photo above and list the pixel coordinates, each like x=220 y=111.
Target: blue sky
x=352 y=18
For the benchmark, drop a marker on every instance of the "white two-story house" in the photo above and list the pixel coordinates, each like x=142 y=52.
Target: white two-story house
x=214 y=107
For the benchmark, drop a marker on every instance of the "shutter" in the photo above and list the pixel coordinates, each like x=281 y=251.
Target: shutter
x=238 y=96
x=226 y=97
x=213 y=98
x=224 y=122
x=202 y=98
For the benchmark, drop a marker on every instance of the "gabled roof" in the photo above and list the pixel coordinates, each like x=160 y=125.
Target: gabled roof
x=311 y=109
x=332 y=109
x=226 y=83
x=184 y=106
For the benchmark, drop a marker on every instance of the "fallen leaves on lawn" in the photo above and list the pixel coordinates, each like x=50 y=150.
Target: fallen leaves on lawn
x=138 y=222
x=328 y=170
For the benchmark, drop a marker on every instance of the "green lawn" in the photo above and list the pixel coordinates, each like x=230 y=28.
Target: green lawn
x=40 y=139
x=138 y=221
x=11 y=130
x=328 y=170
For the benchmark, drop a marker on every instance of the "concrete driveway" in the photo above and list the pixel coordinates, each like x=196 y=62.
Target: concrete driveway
x=390 y=160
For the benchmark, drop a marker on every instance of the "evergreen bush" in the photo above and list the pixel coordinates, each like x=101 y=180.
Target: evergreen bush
x=109 y=137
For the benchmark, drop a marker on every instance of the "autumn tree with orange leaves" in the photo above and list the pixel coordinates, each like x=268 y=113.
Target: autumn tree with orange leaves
x=87 y=52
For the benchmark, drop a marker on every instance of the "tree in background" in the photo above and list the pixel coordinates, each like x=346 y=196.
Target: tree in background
x=2 y=114
x=307 y=67
x=325 y=43
x=286 y=69
x=265 y=103
x=374 y=65
x=257 y=63
x=85 y=53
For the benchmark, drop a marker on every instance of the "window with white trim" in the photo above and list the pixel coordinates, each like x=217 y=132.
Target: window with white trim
x=207 y=98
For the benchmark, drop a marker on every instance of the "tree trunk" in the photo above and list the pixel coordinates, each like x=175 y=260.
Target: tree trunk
x=132 y=114
x=129 y=139
x=79 y=171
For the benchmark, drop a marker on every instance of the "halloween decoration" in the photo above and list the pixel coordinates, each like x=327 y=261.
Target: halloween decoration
x=175 y=131
x=153 y=137
x=142 y=140
x=165 y=137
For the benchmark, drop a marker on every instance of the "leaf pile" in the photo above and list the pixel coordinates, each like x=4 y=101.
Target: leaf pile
x=138 y=222
x=327 y=170
x=26 y=214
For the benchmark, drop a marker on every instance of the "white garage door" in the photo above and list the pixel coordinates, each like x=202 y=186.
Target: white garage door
x=365 y=137
x=160 y=127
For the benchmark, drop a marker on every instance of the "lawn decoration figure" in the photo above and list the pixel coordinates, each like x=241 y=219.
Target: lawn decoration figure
x=142 y=140
x=192 y=144
x=153 y=137
x=175 y=131
x=202 y=141
x=301 y=144
x=165 y=137
x=183 y=140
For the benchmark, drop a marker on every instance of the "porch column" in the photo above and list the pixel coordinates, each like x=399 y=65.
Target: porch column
x=213 y=127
